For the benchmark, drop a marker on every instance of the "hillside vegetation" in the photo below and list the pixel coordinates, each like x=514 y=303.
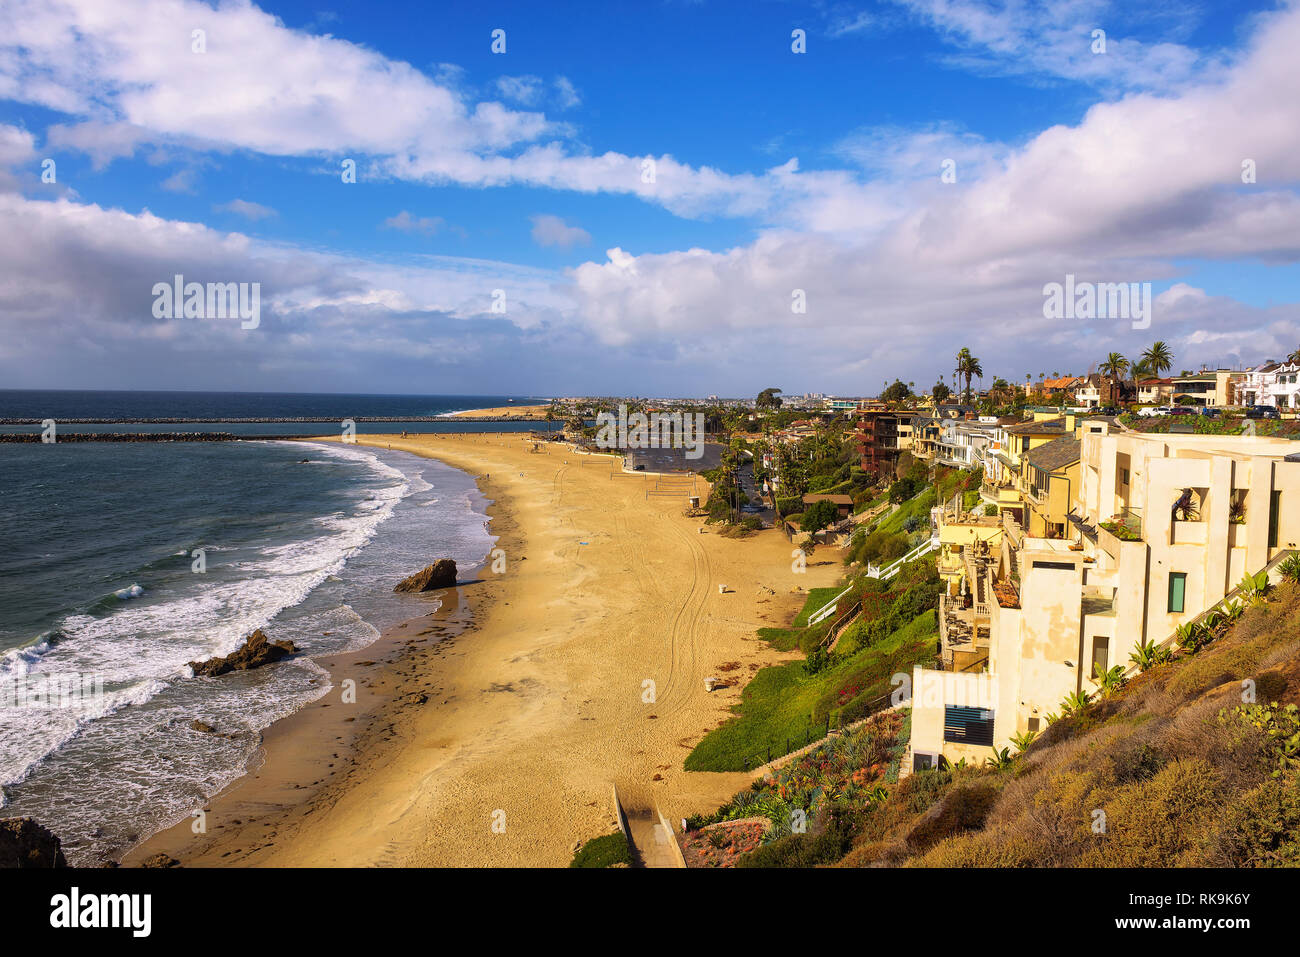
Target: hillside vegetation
x=788 y=705
x=1195 y=762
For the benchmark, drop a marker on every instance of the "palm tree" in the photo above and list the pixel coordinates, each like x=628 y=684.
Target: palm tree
x=1114 y=368
x=999 y=391
x=1158 y=358
x=968 y=366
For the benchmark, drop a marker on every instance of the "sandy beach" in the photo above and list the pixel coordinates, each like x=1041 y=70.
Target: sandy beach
x=514 y=411
x=490 y=733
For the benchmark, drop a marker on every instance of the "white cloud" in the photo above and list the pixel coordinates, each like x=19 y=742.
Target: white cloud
x=847 y=24
x=423 y=225
x=1055 y=38
x=526 y=90
x=181 y=181
x=566 y=93
x=1138 y=185
x=896 y=265
x=17 y=147
x=128 y=74
x=554 y=231
x=249 y=210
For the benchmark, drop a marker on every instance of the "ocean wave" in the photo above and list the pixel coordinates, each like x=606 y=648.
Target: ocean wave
x=141 y=647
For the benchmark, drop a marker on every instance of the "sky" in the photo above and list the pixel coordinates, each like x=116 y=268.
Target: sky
x=653 y=198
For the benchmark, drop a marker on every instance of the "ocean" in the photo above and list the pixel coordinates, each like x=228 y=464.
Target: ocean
x=101 y=581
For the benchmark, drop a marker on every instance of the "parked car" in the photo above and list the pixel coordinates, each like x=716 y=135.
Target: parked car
x=1109 y=410
x=1210 y=412
x=1180 y=410
x=1262 y=412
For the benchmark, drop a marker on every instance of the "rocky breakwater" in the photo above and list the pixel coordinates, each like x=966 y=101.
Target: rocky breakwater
x=65 y=437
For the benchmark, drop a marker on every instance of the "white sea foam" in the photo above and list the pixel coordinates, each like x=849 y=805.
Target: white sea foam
x=139 y=648
x=153 y=767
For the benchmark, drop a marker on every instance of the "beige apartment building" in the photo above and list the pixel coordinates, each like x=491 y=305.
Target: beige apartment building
x=1163 y=528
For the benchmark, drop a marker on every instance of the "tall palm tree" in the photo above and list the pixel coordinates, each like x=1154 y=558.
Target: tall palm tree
x=1114 y=368
x=1139 y=368
x=1158 y=358
x=968 y=366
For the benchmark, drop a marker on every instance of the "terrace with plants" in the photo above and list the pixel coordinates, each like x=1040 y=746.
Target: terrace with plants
x=846 y=773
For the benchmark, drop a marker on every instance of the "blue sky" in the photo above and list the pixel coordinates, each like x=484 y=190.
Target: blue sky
x=777 y=171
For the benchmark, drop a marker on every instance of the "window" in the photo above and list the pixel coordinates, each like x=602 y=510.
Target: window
x=1274 y=511
x=1177 y=592
x=1033 y=725
x=1061 y=566
x=1100 y=655
x=968 y=725
x=1123 y=480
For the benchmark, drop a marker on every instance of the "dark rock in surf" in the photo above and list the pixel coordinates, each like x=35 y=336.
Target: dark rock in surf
x=258 y=650
x=24 y=843
x=441 y=574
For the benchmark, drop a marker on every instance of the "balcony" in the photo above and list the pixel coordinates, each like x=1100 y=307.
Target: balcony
x=963 y=643
x=1125 y=525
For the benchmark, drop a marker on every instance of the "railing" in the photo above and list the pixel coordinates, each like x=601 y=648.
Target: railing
x=1131 y=520
x=890 y=570
x=825 y=610
x=1012 y=530
x=841 y=623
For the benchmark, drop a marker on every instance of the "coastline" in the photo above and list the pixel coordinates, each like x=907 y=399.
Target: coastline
x=534 y=684
x=512 y=411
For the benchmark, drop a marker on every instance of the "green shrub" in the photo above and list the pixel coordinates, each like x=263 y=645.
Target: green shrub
x=1262 y=828
x=1157 y=823
x=964 y=808
x=819 y=515
x=603 y=852
x=805 y=850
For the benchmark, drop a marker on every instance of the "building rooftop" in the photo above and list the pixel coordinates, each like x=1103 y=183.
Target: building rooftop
x=1045 y=427
x=1055 y=455
x=837 y=499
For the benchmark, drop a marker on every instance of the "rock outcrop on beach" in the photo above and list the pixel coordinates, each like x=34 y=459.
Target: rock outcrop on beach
x=24 y=843
x=441 y=574
x=160 y=860
x=258 y=650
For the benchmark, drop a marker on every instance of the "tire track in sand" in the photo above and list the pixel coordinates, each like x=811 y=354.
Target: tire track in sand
x=684 y=635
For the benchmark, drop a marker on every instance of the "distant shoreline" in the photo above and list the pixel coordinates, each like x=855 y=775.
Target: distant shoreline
x=537 y=411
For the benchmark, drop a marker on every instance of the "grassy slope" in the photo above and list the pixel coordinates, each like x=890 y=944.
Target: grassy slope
x=603 y=851
x=782 y=706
